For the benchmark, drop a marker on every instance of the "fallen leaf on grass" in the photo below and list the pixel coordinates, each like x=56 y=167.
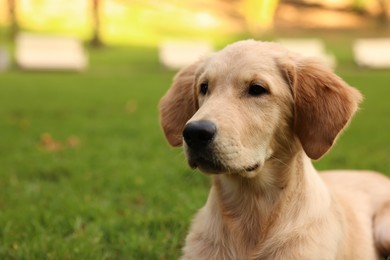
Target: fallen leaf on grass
x=48 y=143
x=131 y=106
x=73 y=141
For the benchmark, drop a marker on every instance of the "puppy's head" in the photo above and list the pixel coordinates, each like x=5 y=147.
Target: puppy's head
x=251 y=102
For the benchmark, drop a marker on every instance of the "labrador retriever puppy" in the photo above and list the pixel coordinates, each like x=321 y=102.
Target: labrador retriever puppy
x=252 y=116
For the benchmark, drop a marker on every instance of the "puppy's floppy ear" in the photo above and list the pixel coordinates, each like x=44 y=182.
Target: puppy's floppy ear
x=323 y=104
x=178 y=105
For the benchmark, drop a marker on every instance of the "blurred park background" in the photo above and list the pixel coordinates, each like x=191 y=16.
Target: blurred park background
x=85 y=172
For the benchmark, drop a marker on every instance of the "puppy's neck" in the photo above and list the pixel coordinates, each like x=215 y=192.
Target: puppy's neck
x=277 y=176
x=253 y=206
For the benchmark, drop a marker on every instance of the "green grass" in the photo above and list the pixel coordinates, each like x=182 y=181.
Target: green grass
x=122 y=193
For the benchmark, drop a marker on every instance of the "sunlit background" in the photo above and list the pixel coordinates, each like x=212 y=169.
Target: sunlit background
x=142 y=22
x=126 y=22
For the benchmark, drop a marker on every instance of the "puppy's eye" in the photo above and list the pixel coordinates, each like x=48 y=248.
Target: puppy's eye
x=257 y=90
x=204 y=87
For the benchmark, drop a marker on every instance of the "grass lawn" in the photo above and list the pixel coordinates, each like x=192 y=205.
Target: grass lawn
x=107 y=186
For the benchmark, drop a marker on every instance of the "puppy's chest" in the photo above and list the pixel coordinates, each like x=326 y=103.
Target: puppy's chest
x=234 y=245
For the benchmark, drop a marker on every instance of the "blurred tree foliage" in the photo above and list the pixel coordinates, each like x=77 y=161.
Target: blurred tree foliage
x=259 y=15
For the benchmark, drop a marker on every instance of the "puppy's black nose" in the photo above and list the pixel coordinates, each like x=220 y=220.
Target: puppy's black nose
x=198 y=134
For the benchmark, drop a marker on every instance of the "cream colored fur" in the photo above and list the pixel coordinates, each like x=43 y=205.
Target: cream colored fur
x=282 y=208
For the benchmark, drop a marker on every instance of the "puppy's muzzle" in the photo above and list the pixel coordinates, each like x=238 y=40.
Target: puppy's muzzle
x=199 y=134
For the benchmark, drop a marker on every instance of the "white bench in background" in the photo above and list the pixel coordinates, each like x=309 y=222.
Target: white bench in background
x=372 y=53
x=178 y=54
x=47 y=52
x=310 y=47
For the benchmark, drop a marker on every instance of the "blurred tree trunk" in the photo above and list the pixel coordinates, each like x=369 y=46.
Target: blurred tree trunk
x=259 y=15
x=384 y=7
x=96 y=39
x=14 y=27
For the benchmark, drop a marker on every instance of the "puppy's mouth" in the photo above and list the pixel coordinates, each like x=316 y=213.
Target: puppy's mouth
x=252 y=168
x=214 y=166
x=206 y=165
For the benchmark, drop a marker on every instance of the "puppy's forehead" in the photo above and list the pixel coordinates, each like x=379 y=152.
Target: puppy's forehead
x=245 y=56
